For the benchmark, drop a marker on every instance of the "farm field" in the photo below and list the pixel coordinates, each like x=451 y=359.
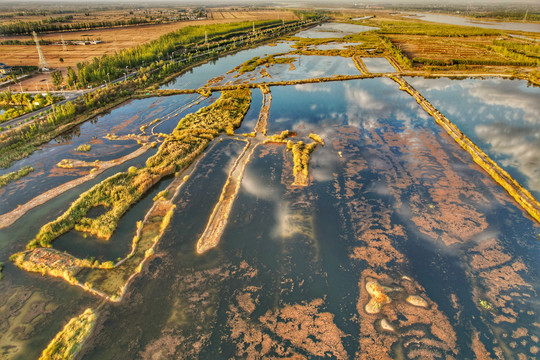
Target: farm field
x=442 y=48
x=112 y=40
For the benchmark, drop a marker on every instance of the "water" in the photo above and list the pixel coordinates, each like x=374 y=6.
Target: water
x=391 y=197
x=333 y=30
x=378 y=65
x=302 y=67
x=499 y=115
x=123 y=120
x=200 y=75
x=458 y=20
x=334 y=46
x=396 y=192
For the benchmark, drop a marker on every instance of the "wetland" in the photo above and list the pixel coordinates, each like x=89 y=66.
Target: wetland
x=299 y=220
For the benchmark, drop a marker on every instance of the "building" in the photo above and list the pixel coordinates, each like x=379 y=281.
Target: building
x=4 y=69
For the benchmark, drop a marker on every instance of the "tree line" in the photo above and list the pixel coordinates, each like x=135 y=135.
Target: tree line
x=26 y=27
x=114 y=66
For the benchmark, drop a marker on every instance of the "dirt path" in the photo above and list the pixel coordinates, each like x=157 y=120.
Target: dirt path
x=218 y=219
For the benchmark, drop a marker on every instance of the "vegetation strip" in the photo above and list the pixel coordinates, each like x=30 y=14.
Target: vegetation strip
x=360 y=65
x=171 y=92
x=9 y=218
x=262 y=121
x=220 y=214
x=522 y=196
x=117 y=193
x=67 y=343
x=15 y=175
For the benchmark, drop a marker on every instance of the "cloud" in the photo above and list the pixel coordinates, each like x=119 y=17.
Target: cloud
x=363 y=98
x=312 y=88
x=506 y=94
x=254 y=187
x=520 y=146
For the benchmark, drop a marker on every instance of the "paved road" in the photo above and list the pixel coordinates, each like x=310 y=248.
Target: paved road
x=70 y=96
x=73 y=95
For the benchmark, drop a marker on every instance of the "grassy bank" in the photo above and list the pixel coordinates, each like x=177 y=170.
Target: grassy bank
x=301 y=154
x=113 y=196
x=67 y=342
x=15 y=175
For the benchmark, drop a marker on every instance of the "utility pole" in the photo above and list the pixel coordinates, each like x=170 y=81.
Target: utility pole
x=42 y=62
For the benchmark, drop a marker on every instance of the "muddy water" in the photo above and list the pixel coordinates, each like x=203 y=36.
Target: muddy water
x=390 y=198
x=499 y=115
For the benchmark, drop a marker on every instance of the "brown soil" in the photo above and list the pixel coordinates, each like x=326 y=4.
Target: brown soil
x=113 y=40
x=443 y=48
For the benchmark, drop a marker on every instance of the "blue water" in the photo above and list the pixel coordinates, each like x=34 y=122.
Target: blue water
x=499 y=115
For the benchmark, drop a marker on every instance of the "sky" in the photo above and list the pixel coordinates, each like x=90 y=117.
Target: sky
x=227 y=2
x=531 y=4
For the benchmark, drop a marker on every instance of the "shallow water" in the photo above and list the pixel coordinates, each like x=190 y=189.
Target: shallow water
x=293 y=253
x=200 y=75
x=391 y=197
x=123 y=120
x=499 y=115
x=378 y=65
x=458 y=20
x=333 y=30
x=334 y=46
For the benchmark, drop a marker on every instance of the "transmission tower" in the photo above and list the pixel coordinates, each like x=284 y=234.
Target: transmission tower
x=64 y=47
x=42 y=62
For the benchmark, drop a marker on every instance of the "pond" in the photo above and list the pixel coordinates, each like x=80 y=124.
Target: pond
x=378 y=65
x=301 y=67
x=334 y=46
x=199 y=76
x=333 y=30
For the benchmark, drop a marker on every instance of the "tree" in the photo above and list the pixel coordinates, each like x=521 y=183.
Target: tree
x=71 y=77
x=57 y=78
